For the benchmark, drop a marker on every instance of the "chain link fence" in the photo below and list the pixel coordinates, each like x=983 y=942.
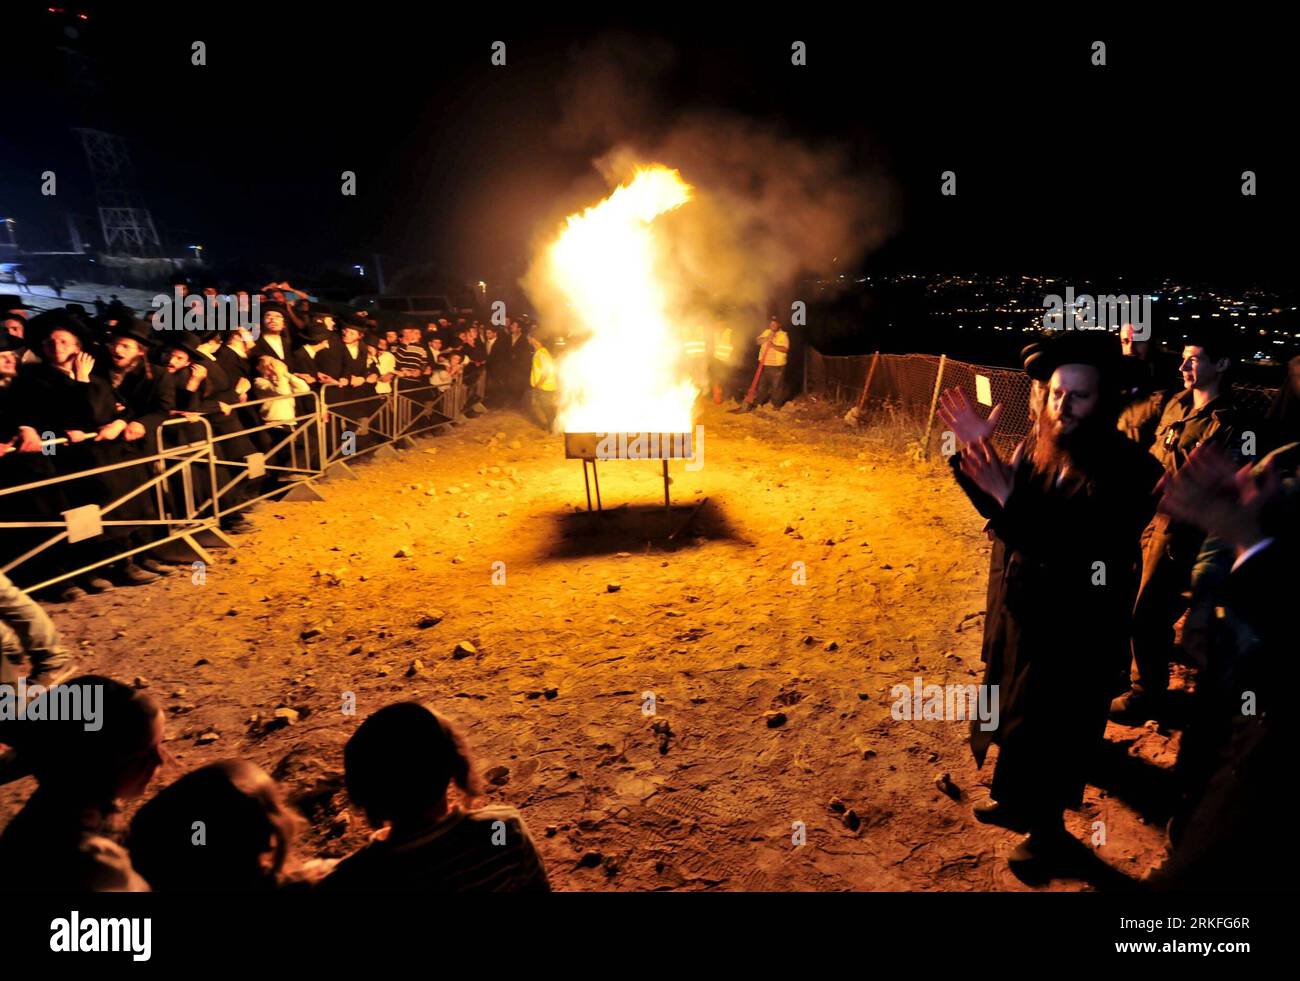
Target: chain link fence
x=901 y=389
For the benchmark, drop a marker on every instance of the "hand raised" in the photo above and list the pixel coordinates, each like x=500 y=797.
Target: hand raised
x=959 y=416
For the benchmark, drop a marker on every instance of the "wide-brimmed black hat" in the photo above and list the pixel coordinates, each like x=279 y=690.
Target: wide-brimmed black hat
x=136 y=330
x=10 y=343
x=186 y=340
x=1098 y=348
x=12 y=301
x=272 y=306
x=314 y=332
x=44 y=324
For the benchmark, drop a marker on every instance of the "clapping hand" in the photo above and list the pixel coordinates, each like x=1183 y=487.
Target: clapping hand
x=981 y=463
x=1211 y=493
x=958 y=415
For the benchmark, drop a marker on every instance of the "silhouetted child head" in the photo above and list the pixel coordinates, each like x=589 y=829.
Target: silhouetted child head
x=109 y=748
x=221 y=827
x=400 y=761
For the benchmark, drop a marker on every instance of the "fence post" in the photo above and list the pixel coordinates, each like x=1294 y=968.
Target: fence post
x=871 y=373
x=934 y=400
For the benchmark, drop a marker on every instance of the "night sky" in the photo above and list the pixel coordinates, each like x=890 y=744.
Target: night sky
x=1134 y=168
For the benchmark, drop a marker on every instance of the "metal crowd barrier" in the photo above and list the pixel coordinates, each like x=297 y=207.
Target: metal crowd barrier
x=194 y=484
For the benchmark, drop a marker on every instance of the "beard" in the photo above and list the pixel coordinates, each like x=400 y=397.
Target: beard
x=1055 y=450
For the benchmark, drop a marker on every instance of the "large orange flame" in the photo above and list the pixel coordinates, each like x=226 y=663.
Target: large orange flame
x=628 y=376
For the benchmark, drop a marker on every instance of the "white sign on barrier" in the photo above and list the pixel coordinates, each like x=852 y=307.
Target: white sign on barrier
x=84 y=522
x=256 y=465
x=983 y=390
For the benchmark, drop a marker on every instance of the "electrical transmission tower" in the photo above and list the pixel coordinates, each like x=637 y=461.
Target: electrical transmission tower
x=127 y=226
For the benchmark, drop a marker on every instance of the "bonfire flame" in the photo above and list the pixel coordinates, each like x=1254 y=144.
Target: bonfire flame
x=628 y=376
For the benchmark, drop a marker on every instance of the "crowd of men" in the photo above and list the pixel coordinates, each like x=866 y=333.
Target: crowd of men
x=1132 y=505
x=1143 y=498
x=93 y=391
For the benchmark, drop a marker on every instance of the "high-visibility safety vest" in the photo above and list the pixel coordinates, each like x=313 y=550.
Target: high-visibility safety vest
x=722 y=346
x=769 y=355
x=542 y=375
x=694 y=347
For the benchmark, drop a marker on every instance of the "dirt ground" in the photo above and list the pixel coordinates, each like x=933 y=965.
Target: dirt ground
x=575 y=617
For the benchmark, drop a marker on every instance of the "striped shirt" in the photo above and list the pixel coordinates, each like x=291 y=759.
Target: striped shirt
x=485 y=850
x=411 y=356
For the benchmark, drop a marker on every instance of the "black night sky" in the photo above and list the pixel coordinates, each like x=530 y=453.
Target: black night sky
x=1134 y=168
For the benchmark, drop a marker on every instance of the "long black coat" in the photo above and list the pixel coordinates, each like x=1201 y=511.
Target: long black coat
x=48 y=400
x=1058 y=639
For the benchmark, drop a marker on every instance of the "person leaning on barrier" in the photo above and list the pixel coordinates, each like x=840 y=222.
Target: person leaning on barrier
x=145 y=395
x=344 y=359
x=381 y=362
x=273 y=378
x=307 y=360
x=63 y=396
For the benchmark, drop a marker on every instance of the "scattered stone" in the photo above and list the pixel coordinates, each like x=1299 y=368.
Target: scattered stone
x=207 y=736
x=340 y=825
x=383 y=671
x=430 y=619
x=232 y=612
x=590 y=860
x=944 y=782
x=613 y=587
x=405 y=552
x=551 y=831
x=810 y=640
x=498 y=776
x=933 y=757
x=831 y=646
x=462 y=514
x=464 y=649
x=864 y=696
x=551 y=693
x=309 y=633
x=457 y=560
x=140 y=682
x=851 y=820
x=837 y=805
x=416 y=668
x=201 y=661
x=775 y=719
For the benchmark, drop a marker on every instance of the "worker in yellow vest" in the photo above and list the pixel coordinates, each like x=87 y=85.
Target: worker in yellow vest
x=693 y=348
x=722 y=366
x=773 y=352
x=545 y=385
